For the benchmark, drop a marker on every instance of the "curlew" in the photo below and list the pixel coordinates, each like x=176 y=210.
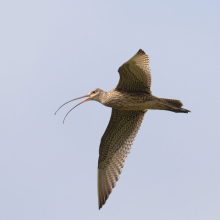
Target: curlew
x=129 y=101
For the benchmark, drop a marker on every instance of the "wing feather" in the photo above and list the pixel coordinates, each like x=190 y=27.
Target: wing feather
x=114 y=148
x=135 y=74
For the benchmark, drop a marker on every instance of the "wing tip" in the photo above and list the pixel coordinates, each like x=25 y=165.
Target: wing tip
x=103 y=189
x=141 y=51
x=143 y=54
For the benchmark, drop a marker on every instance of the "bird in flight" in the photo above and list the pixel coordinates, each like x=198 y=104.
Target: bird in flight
x=130 y=100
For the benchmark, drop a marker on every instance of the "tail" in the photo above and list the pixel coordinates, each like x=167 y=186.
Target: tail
x=174 y=105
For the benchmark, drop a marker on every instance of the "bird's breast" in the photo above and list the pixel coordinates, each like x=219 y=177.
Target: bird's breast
x=130 y=101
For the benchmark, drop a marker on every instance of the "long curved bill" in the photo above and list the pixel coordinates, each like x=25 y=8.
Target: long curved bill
x=74 y=106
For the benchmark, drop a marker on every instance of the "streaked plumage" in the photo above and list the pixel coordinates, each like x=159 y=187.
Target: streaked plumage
x=114 y=148
x=129 y=101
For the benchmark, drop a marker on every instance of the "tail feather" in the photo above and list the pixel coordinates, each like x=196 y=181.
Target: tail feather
x=174 y=102
x=174 y=105
x=179 y=110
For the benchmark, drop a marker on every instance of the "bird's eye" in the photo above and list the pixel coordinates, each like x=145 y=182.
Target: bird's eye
x=93 y=92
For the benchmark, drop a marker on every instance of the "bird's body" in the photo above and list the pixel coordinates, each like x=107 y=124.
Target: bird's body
x=137 y=101
x=129 y=101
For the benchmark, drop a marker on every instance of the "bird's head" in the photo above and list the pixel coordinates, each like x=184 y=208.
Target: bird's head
x=93 y=95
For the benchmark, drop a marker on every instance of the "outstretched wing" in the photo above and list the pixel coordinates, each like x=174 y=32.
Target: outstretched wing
x=114 y=148
x=135 y=74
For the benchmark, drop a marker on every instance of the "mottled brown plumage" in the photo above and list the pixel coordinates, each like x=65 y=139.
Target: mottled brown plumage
x=114 y=148
x=129 y=101
x=135 y=74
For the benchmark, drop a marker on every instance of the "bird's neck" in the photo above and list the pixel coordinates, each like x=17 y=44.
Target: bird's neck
x=103 y=97
x=106 y=98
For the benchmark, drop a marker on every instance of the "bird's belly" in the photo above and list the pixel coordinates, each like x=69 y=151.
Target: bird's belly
x=153 y=104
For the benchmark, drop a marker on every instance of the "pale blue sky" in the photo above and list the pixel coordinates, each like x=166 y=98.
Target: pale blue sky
x=54 y=51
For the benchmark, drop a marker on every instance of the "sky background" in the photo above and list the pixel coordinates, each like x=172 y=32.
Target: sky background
x=54 y=51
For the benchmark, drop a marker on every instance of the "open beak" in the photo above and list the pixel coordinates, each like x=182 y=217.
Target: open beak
x=74 y=106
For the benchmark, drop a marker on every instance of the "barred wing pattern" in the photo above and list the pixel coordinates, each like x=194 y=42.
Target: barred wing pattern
x=135 y=74
x=114 y=148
